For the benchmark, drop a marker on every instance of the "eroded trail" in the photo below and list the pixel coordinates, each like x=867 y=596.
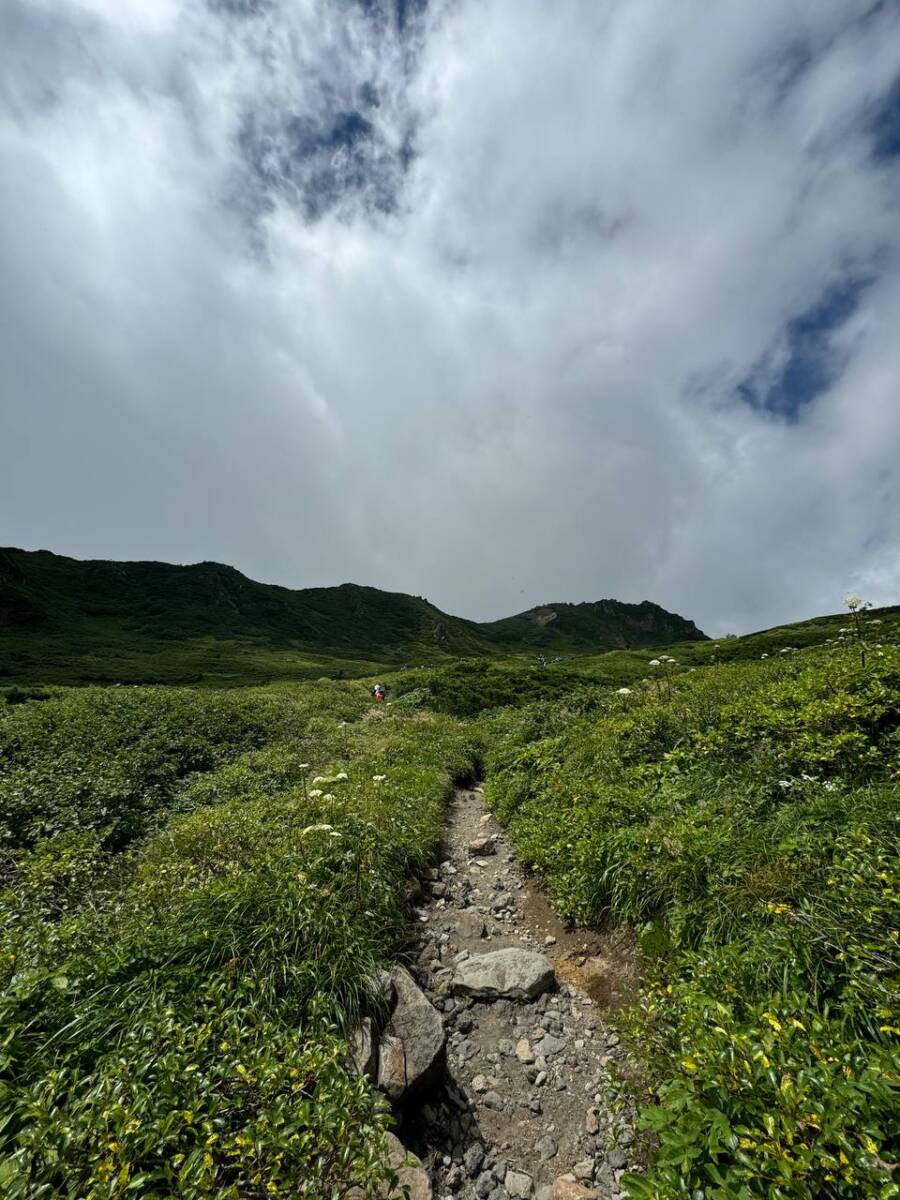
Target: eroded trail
x=530 y=1106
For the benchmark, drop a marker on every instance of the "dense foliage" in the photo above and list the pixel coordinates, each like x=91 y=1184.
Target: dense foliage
x=65 y=621
x=197 y=891
x=745 y=820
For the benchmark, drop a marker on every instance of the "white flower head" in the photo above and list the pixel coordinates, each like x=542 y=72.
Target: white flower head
x=764 y=656
x=340 y=775
x=319 y=779
x=623 y=691
x=302 y=766
x=654 y=662
x=853 y=602
x=316 y=792
x=379 y=778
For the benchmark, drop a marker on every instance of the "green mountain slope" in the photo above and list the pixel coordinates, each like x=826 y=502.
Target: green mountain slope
x=604 y=624
x=64 y=619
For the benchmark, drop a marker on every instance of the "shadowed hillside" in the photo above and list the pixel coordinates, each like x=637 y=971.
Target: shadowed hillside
x=63 y=619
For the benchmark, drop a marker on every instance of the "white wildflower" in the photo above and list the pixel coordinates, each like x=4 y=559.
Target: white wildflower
x=302 y=766
x=623 y=691
x=654 y=662
x=764 y=656
x=328 y=796
x=853 y=602
x=316 y=792
x=320 y=779
x=784 y=783
x=379 y=778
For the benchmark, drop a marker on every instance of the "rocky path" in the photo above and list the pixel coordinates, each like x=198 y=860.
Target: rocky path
x=529 y=1106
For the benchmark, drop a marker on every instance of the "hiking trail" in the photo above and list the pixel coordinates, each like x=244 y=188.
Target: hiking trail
x=529 y=1106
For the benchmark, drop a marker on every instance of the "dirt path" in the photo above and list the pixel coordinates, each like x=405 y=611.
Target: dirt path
x=529 y=1095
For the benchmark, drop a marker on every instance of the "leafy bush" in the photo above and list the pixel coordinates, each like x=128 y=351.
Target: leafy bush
x=175 y=1012
x=748 y=829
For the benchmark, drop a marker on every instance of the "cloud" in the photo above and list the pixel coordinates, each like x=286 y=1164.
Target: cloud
x=498 y=304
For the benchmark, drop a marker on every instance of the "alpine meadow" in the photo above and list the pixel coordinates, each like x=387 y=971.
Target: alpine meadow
x=449 y=600
x=202 y=888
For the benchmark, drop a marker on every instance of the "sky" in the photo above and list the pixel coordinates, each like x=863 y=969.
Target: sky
x=498 y=302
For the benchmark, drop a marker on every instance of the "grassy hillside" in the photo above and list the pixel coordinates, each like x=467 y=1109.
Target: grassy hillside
x=744 y=819
x=195 y=888
x=67 y=621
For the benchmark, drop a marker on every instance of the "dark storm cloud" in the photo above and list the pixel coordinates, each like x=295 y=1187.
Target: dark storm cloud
x=494 y=303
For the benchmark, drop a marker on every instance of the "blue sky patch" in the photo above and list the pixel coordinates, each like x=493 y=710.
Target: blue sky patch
x=805 y=361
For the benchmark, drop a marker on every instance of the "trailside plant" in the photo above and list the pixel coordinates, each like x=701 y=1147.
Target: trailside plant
x=746 y=824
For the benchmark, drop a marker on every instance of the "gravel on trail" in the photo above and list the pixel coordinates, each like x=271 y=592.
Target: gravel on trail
x=529 y=1106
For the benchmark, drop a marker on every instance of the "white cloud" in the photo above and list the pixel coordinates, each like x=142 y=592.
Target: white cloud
x=240 y=327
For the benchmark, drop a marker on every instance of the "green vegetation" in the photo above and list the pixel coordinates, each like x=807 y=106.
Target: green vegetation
x=63 y=621
x=196 y=886
x=744 y=819
x=196 y=890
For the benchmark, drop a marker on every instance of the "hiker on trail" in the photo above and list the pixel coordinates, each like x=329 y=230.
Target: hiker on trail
x=378 y=691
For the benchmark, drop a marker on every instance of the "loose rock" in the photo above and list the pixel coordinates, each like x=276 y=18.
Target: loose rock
x=511 y=973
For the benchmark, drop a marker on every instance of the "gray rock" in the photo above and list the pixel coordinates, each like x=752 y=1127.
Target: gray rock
x=617 y=1158
x=470 y=924
x=547 y=1149
x=473 y=1158
x=492 y=1100
x=549 y=1045
x=584 y=1169
x=363 y=1056
x=418 y=1025
x=591 y=1123
x=413 y=1180
x=483 y=845
x=391 y=1067
x=518 y=1184
x=484 y=1185
x=511 y=973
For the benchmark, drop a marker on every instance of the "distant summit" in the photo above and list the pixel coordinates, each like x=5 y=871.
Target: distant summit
x=55 y=605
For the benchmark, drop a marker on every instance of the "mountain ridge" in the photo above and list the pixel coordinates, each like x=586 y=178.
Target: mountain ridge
x=44 y=592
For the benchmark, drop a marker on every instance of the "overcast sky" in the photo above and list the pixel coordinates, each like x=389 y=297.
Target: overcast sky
x=494 y=301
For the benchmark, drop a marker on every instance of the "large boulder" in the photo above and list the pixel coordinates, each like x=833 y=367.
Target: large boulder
x=409 y=1171
x=412 y=1181
x=363 y=1058
x=509 y=974
x=418 y=1025
x=392 y=1067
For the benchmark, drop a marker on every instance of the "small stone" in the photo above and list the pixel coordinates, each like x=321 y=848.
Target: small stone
x=591 y=1124
x=547 y=1149
x=549 y=1045
x=518 y=1184
x=524 y=1053
x=584 y=1169
x=617 y=1158
x=473 y=1158
x=506 y=1047
x=484 y=1185
x=492 y=1100
x=549 y=940
x=483 y=845
x=535 y=1105
x=540 y=1079
x=566 y=1188
x=479 y=1084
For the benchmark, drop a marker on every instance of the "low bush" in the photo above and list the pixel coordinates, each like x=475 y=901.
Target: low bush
x=175 y=1011
x=745 y=820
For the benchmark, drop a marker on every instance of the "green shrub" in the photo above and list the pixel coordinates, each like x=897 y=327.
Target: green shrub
x=748 y=828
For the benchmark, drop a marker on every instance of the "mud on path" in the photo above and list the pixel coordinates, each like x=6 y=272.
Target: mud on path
x=530 y=1106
